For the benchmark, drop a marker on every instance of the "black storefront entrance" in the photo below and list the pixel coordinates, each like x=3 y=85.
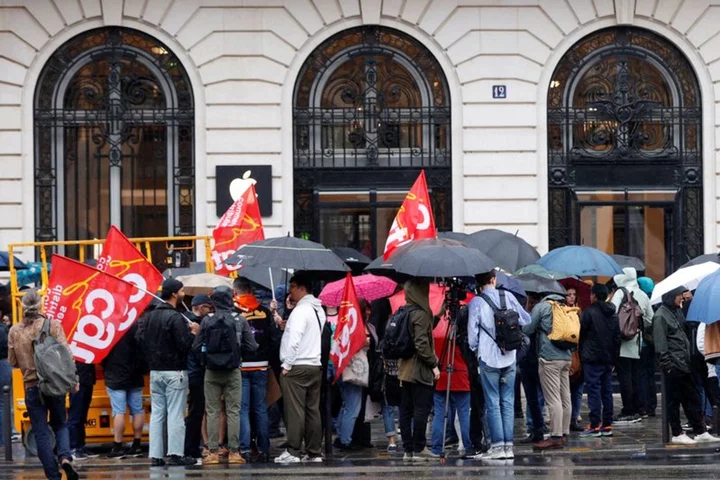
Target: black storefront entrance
x=371 y=111
x=624 y=149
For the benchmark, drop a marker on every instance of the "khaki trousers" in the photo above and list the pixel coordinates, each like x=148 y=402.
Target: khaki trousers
x=555 y=381
x=229 y=386
x=301 y=396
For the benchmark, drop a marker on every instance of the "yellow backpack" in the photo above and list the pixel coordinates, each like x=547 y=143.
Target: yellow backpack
x=565 y=332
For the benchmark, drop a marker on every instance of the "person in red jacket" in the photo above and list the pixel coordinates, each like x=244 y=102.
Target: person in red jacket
x=459 y=389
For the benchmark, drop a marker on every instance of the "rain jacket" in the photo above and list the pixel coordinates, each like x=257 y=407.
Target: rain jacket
x=301 y=342
x=628 y=280
x=460 y=381
x=671 y=343
x=419 y=367
x=166 y=339
x=541 y=324
x=599 y=334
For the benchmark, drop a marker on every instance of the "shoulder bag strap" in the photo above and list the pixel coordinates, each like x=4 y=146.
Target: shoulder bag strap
x=495 y=310
x=503 y=305
x=318 y=320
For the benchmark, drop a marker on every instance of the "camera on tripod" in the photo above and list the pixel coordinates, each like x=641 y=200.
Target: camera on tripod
x=456 y=289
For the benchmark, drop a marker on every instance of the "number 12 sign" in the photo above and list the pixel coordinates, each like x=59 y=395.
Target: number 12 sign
x=499 y=91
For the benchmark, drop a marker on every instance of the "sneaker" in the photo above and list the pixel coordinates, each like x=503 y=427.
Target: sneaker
x=313 y=459
x=424 y=456
x=211 y=459
x=223 y=452
x=89 y=453
x=341 y=446
x=16 y=437
x=79 y=456
x=117 y=452
x=549 y=444
x=392 y=448
x=178 y=461
x=136 y=452
x=706 y=438
x=157 y=462
x=575 y=427
x=591 y=432
x=236 y=459
x=626 y=419
x=408 y=457
x=509 y=453
x=69 y=470
x=495 y=453
x=606 y=431
x=682 y=440
x=287 y=458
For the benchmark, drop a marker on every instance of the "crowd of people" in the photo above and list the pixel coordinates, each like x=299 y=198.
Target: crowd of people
x=210 y=371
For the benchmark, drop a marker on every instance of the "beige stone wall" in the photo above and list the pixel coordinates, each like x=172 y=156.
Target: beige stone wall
x=243 y=56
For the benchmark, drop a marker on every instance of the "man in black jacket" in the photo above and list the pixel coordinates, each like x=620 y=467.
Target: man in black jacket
x=167 y=337
x=124 y=368
x=255 y=370
x=599 y=348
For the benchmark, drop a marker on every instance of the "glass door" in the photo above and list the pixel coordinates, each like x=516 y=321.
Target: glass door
x=635 y=224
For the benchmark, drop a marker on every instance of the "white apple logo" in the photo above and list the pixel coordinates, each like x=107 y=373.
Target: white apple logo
x=240 y=185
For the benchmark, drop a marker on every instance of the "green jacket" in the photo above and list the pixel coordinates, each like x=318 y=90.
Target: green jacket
x=671 y=343
x=419 y=368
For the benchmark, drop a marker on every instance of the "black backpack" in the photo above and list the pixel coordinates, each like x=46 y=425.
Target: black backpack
x=508 y=333
x=398 y=340
x=221 y=348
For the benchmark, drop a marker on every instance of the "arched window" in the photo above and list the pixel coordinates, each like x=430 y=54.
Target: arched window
x=371 y=110
x=624 y=149
x=113 y=139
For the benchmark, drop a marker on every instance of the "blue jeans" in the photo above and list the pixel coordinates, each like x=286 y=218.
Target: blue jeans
x=352 y=401
x=499 y=387
x=168 y=391
x=77 y=415
x=254 y=394
x=598 y=386
x=38 y=407
x=5 y=379
x=389 y=413
x=460 y=401
x=576 y=392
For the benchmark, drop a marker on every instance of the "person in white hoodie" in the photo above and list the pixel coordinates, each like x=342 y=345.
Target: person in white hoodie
x=628 y=365
x=301 y=375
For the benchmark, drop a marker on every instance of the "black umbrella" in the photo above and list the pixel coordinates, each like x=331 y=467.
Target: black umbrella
x=355 y=260
x=537 y=284
x=435 y=258
x=629 y=262
x=708 y=257
x=288 y=252
x=261 y=276
x=457 y=236
x=509 y=251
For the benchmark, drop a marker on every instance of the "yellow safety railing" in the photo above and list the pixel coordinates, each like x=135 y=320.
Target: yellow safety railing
x=143 y=244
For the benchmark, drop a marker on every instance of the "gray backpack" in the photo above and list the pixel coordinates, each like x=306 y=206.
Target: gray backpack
x=55 y=366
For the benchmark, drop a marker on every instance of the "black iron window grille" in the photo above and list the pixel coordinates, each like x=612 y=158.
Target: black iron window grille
x=371 y=109
x=114 y=139
x=624 y=112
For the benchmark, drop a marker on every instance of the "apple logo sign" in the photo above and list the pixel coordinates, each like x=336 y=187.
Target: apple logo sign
x=239 y=185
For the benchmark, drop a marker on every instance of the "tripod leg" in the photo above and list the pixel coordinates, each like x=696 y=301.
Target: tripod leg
x=450 y=368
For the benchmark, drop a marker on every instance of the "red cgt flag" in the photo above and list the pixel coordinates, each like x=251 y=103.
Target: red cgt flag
x=350 y=330
x=91 y=305
x=241 y=224
x=415 y=219
x=122 y=259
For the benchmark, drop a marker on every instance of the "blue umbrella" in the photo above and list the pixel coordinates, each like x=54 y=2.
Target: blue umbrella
x=32 y=274
x=581 y=261
x=510 y=284
x=5 y=262
x=705 y=305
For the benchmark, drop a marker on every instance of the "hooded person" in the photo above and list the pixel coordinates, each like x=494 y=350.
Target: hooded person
x=223 y=338
x=628 y=364
x=673 y=352
x=417 y=374
x=301 y=374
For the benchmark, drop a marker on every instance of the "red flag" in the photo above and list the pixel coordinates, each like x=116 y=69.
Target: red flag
x=91 y=305
x=122 y=259
x=241 y=224
x=414 y=220
x=350 y=330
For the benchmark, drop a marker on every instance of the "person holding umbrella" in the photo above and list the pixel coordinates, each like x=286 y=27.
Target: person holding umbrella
x=673 y=350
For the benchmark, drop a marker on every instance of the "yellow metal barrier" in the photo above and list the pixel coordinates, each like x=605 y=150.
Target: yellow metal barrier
x=99 y=424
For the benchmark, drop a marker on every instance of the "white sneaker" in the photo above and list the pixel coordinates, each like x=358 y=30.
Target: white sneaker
x=706 y=438
x=509 y=454
x=683 y=440
x=495 y=453
x=308 y=459
x=287 y=458
x=408 y=457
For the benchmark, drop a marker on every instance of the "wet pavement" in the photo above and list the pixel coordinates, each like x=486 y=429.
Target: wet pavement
x=634 y=450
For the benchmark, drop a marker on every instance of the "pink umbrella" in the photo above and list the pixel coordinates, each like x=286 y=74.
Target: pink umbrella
x=368 y=286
